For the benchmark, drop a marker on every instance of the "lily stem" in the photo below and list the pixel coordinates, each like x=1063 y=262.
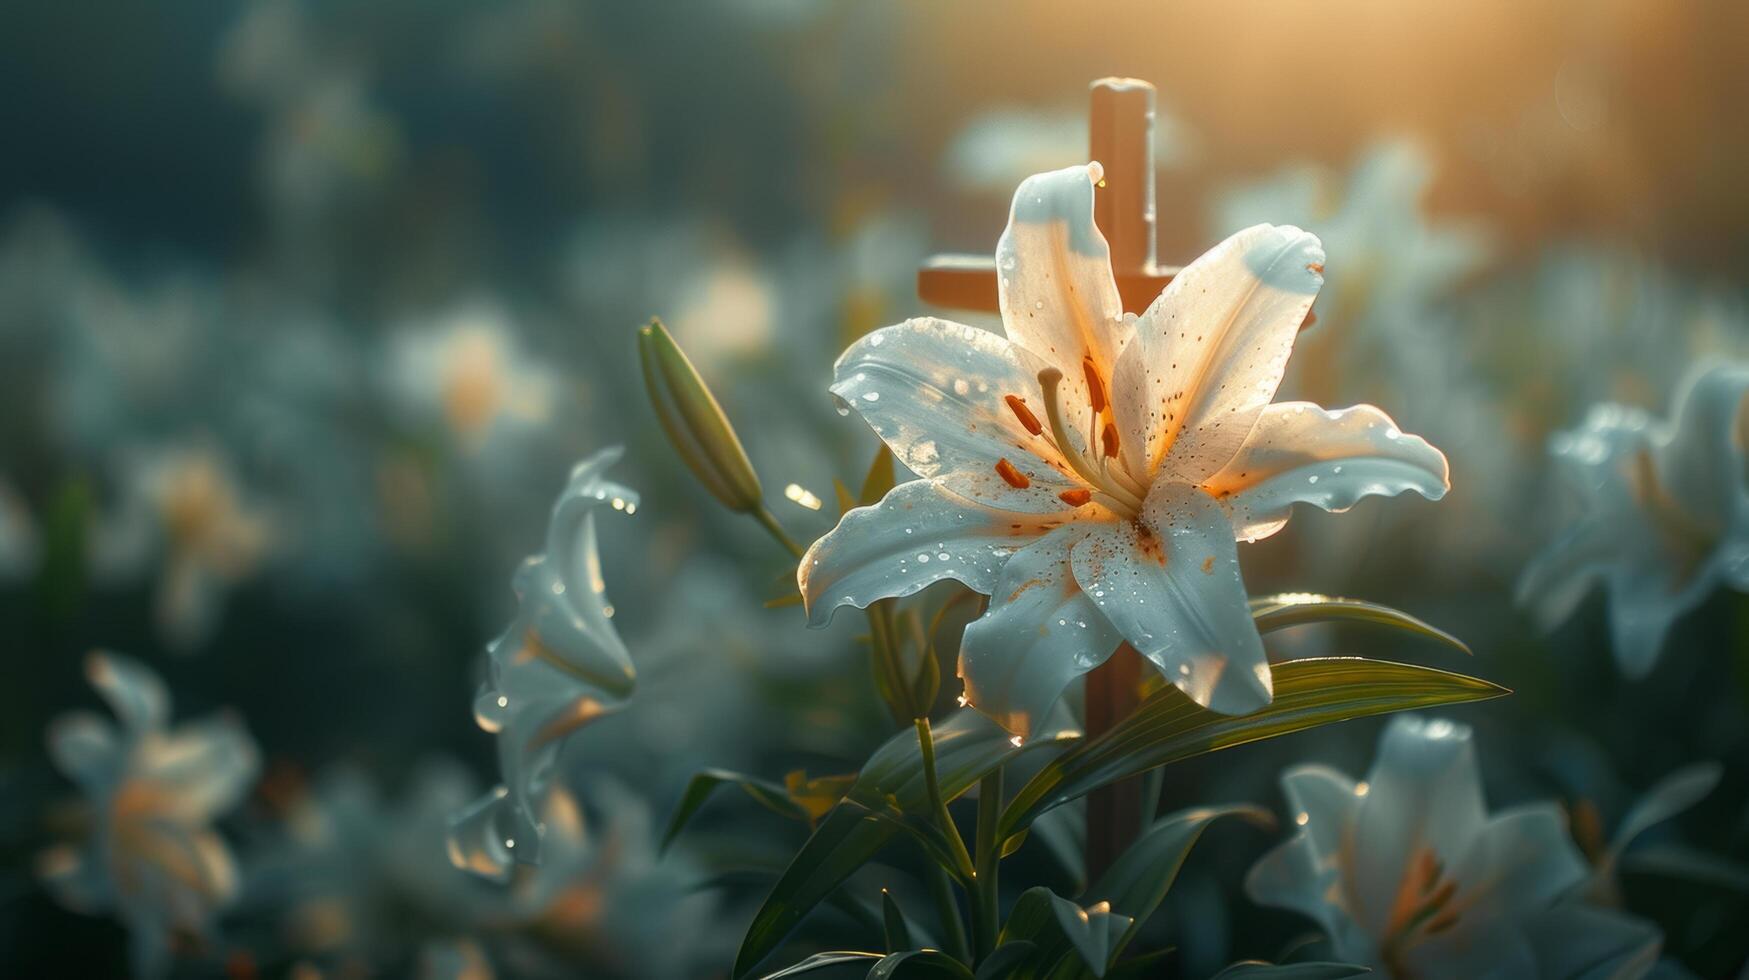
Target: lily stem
x=953 y=930
x=768 y=520
x=926 y=741
x=986 y=908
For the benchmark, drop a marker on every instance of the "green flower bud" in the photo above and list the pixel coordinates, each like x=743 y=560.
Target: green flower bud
x=695 y=423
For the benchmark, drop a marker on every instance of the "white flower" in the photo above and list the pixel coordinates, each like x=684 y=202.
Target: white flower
x=466 y=372
x=559 y=665
x=152 y=859
x=1666 y=513
x=1409 y=874
x=1092 y=471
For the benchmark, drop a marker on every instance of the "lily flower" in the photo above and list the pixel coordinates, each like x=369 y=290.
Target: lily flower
x=1666 y=513
x=1408 y=873
x=1093 y=470
x=558 y=666
x=152 y=858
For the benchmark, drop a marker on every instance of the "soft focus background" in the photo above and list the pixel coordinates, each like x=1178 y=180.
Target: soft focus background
x=306 y=309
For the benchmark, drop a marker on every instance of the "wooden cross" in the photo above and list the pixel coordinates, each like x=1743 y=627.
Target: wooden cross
x=1121 y=138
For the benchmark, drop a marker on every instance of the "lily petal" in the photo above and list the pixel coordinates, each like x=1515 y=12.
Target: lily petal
x=1301 y=453
x=136 y=695
x=935 y=392
x=1210 y=352
x=1702 y=463
x=1521 y=861
x=206 y=767
x=1054 y=283
x=1040 y=633
x=1424 y=794
x=1170 y=582
x=920 y=533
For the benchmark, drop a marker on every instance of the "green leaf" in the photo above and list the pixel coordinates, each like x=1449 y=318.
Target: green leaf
x=891 y=784
x=1067 y=940
x=1670 y=797
x=1169 y=727
x=1259 y=970
x=1002 y=963
x=699 y=789
x=1093 y=931
x=1138 y=881
x=1678 y=861
x=1276 y=612
x=928 y=964
x=824 y=961
x=898 y=931
x=1144 y=967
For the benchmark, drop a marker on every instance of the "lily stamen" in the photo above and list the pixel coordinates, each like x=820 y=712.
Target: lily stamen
x=1128 y=503
x=1017 y=405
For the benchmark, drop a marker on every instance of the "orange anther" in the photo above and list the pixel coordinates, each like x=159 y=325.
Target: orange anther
x=1095 y=385
x=1011 y=476
x=1017 y=405
x=1076 y=497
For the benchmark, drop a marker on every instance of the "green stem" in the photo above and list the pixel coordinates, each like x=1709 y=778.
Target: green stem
x=926 y=741
x=953 y=931
x=986 y=908
x=768 y=520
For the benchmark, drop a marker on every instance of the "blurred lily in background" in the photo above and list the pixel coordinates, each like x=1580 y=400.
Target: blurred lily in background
x=558 y=666
x=151 y=856
x=1408 y=873
x=1664 y=514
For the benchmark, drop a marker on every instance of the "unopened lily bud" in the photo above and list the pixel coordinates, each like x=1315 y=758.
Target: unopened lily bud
x=695 y=423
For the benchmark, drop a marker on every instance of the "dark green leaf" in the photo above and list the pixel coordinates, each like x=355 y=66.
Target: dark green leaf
x=1005 y=960
x=824 y=961
x=1677 y=861
x=1169 y=727
x=699 y=789
x=1276 y=612
x=1138 y=881
x=898 y=931
x=1093 y=931
x=1144 y=967
x=1259 y=970
x=926 y=964
x=1671 y=796
x=967 y=745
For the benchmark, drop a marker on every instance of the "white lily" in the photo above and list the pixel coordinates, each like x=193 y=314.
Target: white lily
x=1407 y=872
x=1092 y=471
x=1666 y=513
x=153 y=859
x=558 y=666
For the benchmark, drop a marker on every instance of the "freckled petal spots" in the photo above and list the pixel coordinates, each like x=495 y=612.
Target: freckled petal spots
x=1210 y=352
x=1170 y=582
x=919 y=534
x=1424 y=794
x=1040 y=633
x=1053 y=268
x=1300 y=453
x=936 y=392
